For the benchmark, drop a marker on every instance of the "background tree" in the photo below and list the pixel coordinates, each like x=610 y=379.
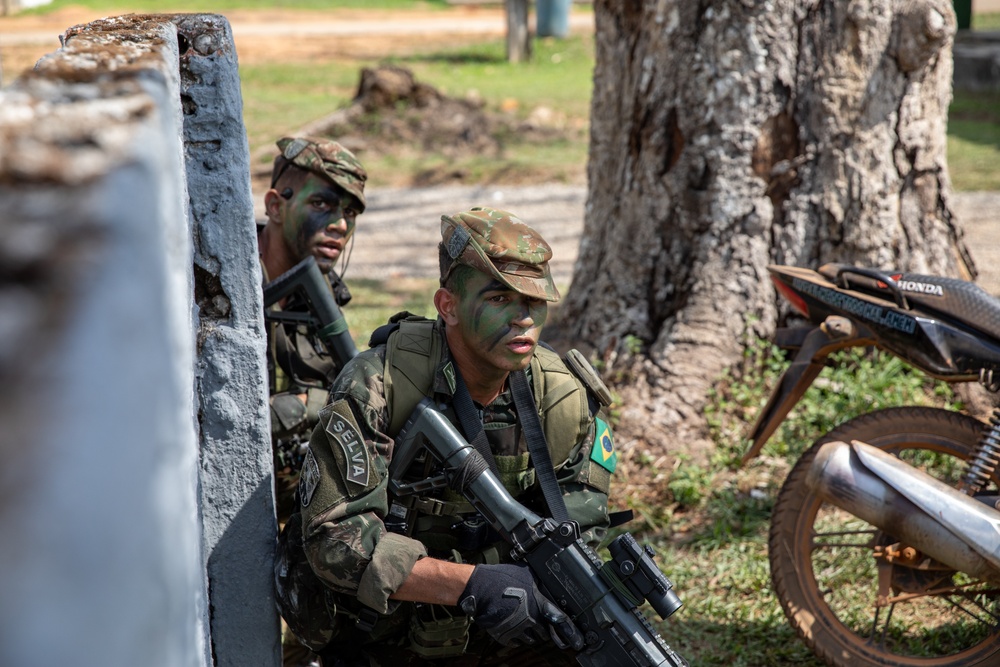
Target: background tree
x=727 y=135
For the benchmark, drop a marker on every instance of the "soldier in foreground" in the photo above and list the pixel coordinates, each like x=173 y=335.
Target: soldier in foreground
x=316 y=194
x=367 y=579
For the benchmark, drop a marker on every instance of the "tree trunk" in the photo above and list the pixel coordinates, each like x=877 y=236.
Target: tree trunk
x=726 y=136
x=518 y=35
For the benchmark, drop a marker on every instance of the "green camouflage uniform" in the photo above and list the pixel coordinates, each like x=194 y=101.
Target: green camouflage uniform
x=298 y=362
x=354 y=534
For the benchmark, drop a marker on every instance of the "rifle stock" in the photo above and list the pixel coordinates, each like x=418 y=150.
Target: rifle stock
x=325 y=315
x=601 y=597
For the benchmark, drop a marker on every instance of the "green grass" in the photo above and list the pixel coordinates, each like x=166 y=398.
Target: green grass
x=730 y=616
x=281 y=97
x=374 y=302
x=278 y=98
x=986 y=22
x=559 y=75
x=856 y=381
x=974 y=140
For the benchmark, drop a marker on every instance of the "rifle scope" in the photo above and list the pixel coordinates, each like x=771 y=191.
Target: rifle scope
x=633 y=566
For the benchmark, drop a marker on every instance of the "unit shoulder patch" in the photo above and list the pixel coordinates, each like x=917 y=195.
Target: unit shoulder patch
x=342 y=429
x=309 y=479
x=603 y=452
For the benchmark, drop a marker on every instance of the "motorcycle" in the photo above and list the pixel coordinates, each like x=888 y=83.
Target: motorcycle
x=884 y=543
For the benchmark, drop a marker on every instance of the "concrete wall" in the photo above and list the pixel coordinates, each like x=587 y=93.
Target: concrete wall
x=236 y=469
x=135 y=492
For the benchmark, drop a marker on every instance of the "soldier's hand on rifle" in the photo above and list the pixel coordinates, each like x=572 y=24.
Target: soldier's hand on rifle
x=505 y=601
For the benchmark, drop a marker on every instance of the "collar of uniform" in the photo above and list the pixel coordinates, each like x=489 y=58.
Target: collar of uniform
x=444 y=372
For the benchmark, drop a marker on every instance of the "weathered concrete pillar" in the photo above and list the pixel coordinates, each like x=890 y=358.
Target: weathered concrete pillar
x=100 y=559
x=236 y=470
x=236 y=474
x=136 y=497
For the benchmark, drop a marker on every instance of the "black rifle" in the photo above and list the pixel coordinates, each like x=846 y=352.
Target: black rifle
x=324 y=315
x=601 y=597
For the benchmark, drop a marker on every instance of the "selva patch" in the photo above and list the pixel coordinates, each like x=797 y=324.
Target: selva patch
x=358 y=466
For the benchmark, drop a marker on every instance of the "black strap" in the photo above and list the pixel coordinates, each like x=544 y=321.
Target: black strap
x=620 y=518
x=472 y=422
x=527 y=414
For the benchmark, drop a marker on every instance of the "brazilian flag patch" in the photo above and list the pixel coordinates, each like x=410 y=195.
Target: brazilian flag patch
x=603 y=452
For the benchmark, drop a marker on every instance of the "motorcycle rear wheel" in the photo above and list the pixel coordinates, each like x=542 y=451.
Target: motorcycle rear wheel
x=825 y=575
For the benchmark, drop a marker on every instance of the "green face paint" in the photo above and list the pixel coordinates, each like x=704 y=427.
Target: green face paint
x=319 y=219
x=497 y=326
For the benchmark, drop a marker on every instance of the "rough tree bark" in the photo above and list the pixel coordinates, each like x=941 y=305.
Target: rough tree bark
x=729 y=135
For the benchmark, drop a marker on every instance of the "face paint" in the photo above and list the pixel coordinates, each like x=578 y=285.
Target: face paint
x=497 y=326
x=319 y=219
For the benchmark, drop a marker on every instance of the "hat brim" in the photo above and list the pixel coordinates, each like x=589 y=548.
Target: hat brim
x=539 y=286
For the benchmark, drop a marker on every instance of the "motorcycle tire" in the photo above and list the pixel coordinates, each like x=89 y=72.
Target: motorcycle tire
x=826 y=576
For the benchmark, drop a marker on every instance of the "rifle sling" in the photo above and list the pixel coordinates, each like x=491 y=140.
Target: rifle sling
x=472 y=422
x=527 y=414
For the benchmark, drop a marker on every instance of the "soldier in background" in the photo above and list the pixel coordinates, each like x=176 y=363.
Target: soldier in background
x=317 y=192
x=316 y=195
x=367 y=579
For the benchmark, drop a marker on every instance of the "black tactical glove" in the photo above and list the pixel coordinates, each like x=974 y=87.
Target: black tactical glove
x=504 y=601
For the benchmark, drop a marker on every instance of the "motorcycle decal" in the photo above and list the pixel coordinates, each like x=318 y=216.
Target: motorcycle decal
x=913 y=286
x=857 y=307
x=603 y=452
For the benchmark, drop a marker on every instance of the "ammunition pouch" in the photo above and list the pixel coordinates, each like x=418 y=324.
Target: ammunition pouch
x=438 y=632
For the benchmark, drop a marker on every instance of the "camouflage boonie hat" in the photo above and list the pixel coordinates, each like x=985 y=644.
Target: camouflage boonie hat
x=500 y=244
x=325 y=158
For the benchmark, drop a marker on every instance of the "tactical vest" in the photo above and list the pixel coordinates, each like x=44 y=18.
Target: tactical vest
x=413 y=352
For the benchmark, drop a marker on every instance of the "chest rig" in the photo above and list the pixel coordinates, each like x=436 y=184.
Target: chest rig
x=445 y=522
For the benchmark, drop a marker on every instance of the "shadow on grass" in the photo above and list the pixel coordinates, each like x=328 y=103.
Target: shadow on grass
x=975 y=117
x=737 y=644
x=729 y=515
x=461 y=58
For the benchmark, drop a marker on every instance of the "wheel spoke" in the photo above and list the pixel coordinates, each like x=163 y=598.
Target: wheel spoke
x=820 y=539
x=993 y=620
x=881 y=642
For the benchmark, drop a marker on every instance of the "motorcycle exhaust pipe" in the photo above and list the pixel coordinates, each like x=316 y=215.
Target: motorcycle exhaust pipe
x=848 y=476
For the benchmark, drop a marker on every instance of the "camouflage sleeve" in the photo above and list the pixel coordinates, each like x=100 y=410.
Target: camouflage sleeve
x=585 y=479
x=343 y=492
